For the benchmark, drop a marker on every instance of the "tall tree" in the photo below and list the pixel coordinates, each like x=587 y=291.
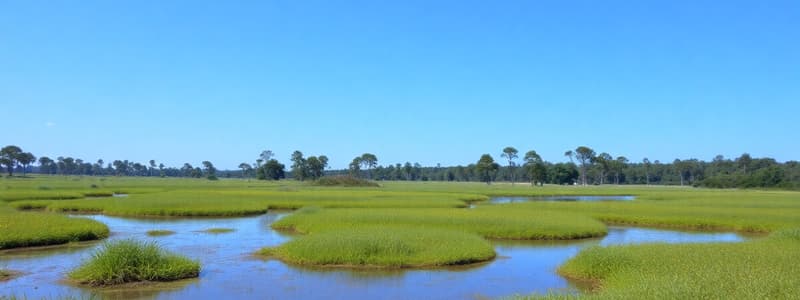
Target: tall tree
x=25 y=159
x=152 y=167
x=46 y=165
x=682 y=168
x=210 y=170
x=266 y=155
x=618 y=166
x=9 y=156
x=585 y=156
x=298 y=166
x=408 y=170
x=316 y=166
x=355 y=167
x=324 y=161
x=186 y=169
x=369 y=161
x=535 y=167
x=245 y=168
x=744 y=162
x=563 y=173
x=272 y=170
x=510 y=153
x=646 y=163
x=66 y=165
x=99 y=167
x=486 y=168
x=570 y=155
x=605 y=161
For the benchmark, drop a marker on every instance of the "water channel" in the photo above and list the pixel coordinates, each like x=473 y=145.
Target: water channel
x=230 y=270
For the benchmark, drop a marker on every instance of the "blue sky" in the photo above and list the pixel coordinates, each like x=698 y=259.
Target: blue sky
x=420 y=81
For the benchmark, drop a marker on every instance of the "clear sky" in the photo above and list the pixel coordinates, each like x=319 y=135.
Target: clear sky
x=421 y=81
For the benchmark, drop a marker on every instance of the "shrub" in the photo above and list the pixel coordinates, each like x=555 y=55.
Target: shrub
x=348 y=181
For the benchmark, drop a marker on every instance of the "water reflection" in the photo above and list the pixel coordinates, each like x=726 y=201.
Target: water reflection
x=514 y=199
x=230 y=271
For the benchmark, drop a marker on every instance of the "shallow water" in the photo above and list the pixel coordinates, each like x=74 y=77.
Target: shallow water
x=513 y=199
x=230 y=271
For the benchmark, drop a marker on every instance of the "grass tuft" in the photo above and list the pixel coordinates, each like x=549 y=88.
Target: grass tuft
x=218 y=230
x=127 y=261
x=159 y=232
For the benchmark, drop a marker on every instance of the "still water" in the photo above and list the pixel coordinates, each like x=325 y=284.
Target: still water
x=512 y=199
x=230 y=271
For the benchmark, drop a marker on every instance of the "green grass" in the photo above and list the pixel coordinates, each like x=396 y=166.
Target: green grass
x=127 y=261
x=27 y=229
x=218 y=230
x=497 y=222
x=337 y=222
x=238 y=202
x=385 y=246
x=759 y=269
x=159 y=232
x=744 y=211
x=704 y=209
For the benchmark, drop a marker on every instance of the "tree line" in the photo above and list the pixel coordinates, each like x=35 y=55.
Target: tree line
x=584 y=167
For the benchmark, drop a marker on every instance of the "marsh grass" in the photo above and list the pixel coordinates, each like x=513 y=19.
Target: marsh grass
x=384 y=246
x=496 y=222
x=758 y=269
x=160 y=232
x=690 y=208
x=127 y=261
x=218 y=230
x=27 y=229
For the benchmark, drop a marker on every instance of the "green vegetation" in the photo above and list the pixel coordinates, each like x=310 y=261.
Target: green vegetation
x=218 y=230
x=346 y=181
x=133 y=261
x=405 y=224
x=385 y=246
x=760 y=269
x=486 y=168
x=160 y=232
x=27 y=229
x=490 y=222
x=191 y=197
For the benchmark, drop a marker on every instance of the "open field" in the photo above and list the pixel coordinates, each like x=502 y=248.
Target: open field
x=402 y=224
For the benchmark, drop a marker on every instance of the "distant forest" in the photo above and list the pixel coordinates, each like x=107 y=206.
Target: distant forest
x=585 y=167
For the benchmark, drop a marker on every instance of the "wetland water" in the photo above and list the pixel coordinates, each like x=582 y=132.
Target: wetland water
x=513 y=199
x=230 y=271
